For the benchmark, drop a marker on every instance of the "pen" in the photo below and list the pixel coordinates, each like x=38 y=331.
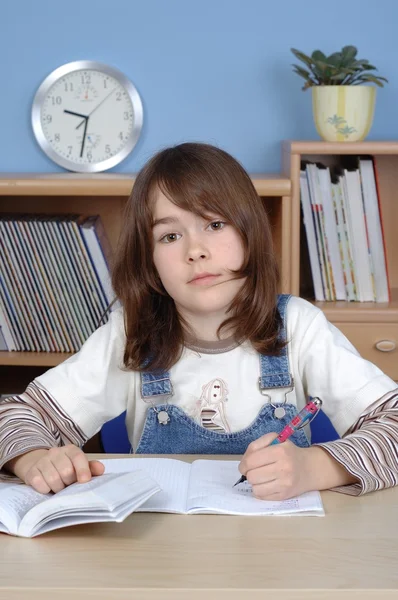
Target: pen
x=305 y=416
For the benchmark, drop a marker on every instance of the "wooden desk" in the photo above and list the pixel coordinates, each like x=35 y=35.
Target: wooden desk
x=351 y=553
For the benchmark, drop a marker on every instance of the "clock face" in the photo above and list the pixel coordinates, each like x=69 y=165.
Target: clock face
x=87 y=116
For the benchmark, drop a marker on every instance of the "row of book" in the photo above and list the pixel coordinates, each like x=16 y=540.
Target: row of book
x=55 y=287
x=343 y=224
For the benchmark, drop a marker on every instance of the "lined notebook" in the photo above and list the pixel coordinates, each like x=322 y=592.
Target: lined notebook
x=207 y=486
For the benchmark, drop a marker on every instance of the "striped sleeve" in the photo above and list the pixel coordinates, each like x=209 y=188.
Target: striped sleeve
x=369 y=449
x=33 y=420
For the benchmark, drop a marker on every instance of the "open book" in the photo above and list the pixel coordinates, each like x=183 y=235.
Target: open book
x=146 y=485
x=110 y=497
x=207 y=486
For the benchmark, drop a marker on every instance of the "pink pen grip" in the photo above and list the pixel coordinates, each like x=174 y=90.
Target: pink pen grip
x=310 y=408
x=285 y=434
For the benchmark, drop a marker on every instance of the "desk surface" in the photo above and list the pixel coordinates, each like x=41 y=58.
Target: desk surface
x=352 y=553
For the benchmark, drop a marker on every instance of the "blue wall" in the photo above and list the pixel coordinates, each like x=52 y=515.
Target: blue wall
x=210 y=70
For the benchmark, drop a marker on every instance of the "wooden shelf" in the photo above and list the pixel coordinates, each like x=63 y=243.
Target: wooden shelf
x=32 y=359
x=387 y=147
x=76 y=184
x=361 y=312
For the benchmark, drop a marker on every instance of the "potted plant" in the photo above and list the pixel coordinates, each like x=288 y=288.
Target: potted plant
x=342 y=106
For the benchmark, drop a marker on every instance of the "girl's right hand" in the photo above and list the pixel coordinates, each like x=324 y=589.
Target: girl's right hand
x=54 y=469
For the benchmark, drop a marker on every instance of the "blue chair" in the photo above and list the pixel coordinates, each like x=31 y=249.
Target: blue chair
x=114 y=437
x=322 y=429
x=115 y=441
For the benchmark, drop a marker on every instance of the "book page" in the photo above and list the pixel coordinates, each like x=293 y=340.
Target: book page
x=211 y=489
x=106 y=497
x=171 y=474
x=15 y=501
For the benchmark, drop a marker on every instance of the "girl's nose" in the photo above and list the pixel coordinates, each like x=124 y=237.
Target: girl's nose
x=196 y=251
x=193 y=258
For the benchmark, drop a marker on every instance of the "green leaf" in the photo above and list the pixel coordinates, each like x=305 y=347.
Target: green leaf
x=370 y=79
x=338 y=78
x=325 y=71
x=361 y=64
x=300 y=71
x=370 y=68
x=334 y=59
x=301 y=56
x=349 y=52
x=347 y=70
x=309 y=79
x=318 y=56
x=307 y=85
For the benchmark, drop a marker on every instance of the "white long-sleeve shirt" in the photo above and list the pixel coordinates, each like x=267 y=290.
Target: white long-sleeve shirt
x=72 y=401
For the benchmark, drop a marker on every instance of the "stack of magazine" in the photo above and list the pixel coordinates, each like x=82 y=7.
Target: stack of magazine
x=55 y=288
x=343 y=224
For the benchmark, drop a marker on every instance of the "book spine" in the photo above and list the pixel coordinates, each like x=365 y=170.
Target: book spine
x=28 y=283
x=377 y=183
x=317 y=221
x=51 y=289
x=344 y=241
x=34 y=265
x=16 y=293
x=325 y=190
x=374 y=230
x=98 y=249
x=357 y=226
x=311 y=238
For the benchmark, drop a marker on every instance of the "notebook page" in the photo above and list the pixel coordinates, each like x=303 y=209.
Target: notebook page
x=211 y=489
x=118 y=514
x=16 y=500
x=171 y=474
x=104 y=493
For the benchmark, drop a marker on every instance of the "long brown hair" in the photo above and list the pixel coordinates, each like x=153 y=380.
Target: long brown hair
x=199 y=178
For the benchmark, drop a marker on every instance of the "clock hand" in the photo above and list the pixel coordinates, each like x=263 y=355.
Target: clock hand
x=70 y=112
x=84 y=135
x=98 y=105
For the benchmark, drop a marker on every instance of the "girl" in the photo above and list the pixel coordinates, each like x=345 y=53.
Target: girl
x=204 y=355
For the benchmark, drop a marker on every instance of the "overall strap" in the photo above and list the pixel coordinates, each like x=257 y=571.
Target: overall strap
x=275 y=371
x=156 y=383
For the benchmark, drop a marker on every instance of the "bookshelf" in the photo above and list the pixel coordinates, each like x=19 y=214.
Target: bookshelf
x=106 y=196
x=371 y=327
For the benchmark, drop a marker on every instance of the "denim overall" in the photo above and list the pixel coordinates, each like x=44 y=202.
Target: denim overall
x=182 y=435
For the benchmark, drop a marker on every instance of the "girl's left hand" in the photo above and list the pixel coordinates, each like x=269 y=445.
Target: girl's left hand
x=277 y=472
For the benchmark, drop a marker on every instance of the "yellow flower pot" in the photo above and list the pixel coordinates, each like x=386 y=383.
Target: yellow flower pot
x=343 y=113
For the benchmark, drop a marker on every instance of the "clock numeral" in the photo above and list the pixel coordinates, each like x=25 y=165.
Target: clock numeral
x=56 y=100
x=108 y=149
x=70 y=148
x=86 y=78
x=68 y=87
x=89 y=156
x=121 y=135
x=126 y=116
x=48 y=118
x=105 y=84
x=118 y=96
x=57 y=137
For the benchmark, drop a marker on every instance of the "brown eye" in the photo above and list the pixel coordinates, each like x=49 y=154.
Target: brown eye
x=169 y=238
x=217 y=225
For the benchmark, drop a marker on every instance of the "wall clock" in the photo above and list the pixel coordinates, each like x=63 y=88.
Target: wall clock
x=87 y=116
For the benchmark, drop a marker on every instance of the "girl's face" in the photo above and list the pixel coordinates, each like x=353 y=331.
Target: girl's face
x=193 y=257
